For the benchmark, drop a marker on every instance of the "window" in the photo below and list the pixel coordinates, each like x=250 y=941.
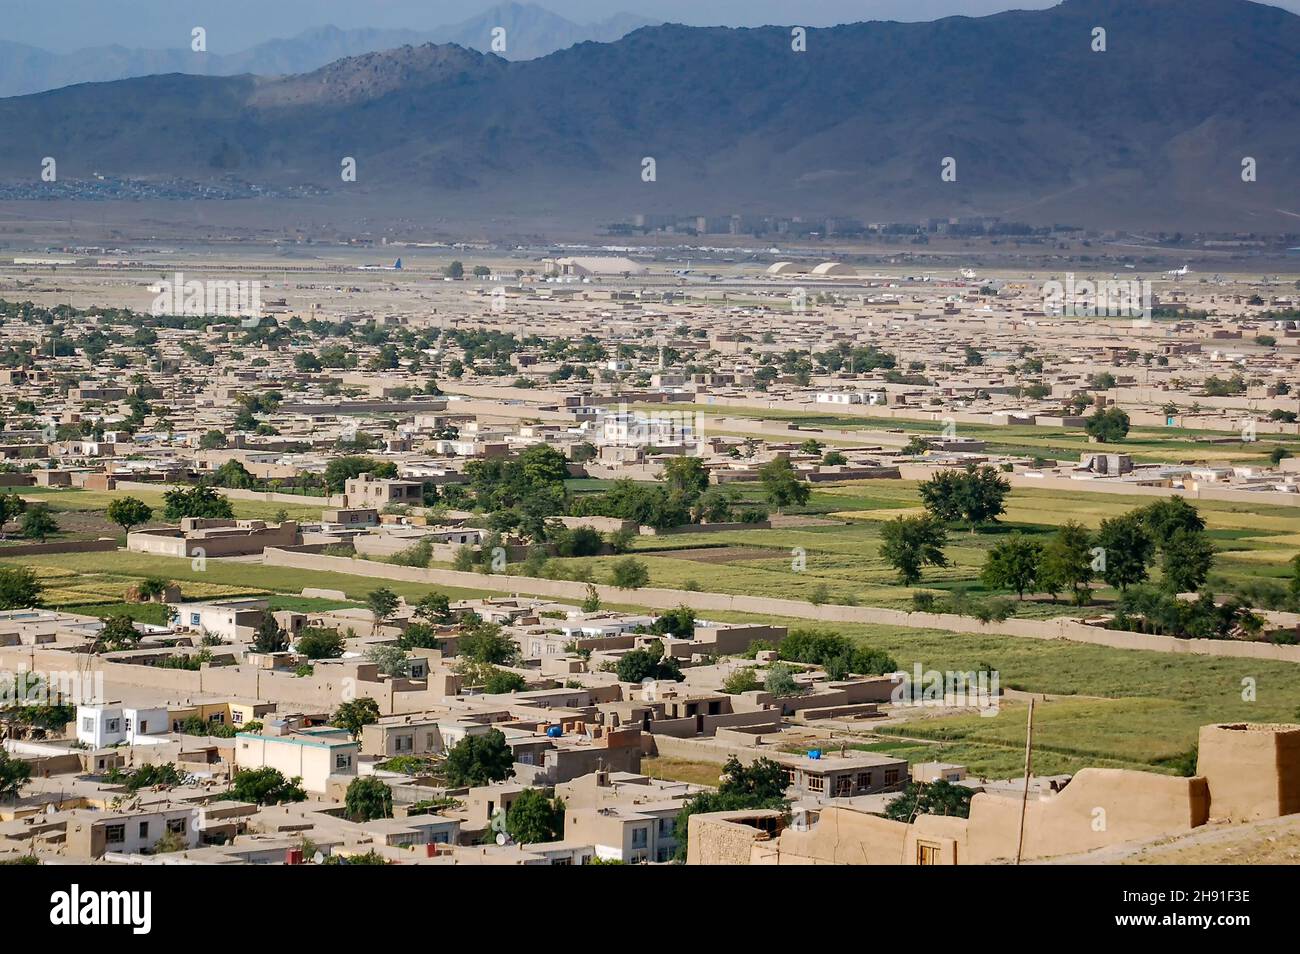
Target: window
x=115 y=834
x=816 y=783
x=127 y=726
x=218 y=717
x=403 y=743
x=144 y=829
x=429 y=741
x=112 y=725
x=88 y=724
x=237 y=717
x=666 y=827
x=843 y=786
x=891 y=776
x=342 y=760
x=640 y=837
x=144 y=726
x=562 y=861
x=927 y=854
x=176 y=826
x=864 y=780
x=194 y=619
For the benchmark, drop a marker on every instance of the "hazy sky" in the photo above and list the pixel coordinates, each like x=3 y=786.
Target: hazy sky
x=234 y=25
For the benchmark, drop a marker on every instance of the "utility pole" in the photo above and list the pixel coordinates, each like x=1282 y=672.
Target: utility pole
x=1029 y=758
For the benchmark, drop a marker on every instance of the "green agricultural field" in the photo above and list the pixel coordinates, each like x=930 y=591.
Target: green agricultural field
x=1126 y=708
x=1147 y=444
x=70 y=578
x=96 y=501
x=841 y=562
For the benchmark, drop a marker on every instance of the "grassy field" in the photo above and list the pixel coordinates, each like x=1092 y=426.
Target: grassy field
x=95 y=501
x=844 y=561
x=1147 y=444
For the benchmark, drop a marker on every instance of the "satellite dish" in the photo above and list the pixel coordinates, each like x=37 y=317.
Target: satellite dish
x=501 y=838
x=318 y=858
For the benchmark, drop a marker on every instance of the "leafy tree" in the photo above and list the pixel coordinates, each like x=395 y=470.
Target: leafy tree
x=19 y=588
x=834 y=459
x=975 y=495
x=270 y=638
x=648 y=663
x=758 y=785
x=382 y=604
x=1164 y=518
x=781 y=681
x=455 y=270
x=629 y=573
x=1127 y=549
x=742 y=680
x=1109 y=426
x=1186 y=560
x=535 y=817
x=1013 y=564
x=128 y=512
x=14 y=774
x=688 y=475
x=354 y=714
x=478 y=760
x=591 y=604
x=367 y=798
x=679 y=623
x=38 y=523
x=909 y=543
x=200 y=501
x=434 y=608
x=317 y=642
x=391 y=660
x=781 y=484
x=266 y=786
x=118 y=633
x=1067 y=562
x=11 y=505
x=930 y=798
x=486 y=643
x=213 y=440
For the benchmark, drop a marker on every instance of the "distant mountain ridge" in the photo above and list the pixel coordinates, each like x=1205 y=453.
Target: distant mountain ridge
x=530 y=31
x=1041 y=128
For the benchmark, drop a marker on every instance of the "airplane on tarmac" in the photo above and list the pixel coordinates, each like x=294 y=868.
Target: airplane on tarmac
x=395 y=267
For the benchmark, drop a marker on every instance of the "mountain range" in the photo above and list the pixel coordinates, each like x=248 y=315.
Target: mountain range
x=530 y=32
x=1151 y=132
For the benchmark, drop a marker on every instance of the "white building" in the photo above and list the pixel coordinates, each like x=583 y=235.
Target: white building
x=107 y=725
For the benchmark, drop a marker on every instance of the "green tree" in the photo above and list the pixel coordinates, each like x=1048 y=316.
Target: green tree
x=367 y=798
x=19 y=588
x=354 y=714
x=14 y=774
x=909 y=543
x=390 y=660
x=781 y=682
x=486 y=643
x=591 y=604
x=118 y=633
x=781 y=484
x=742 y=680
x=382 y=604
x=317 y=642
x=1186 y=560
x=1127 y=550
x=688 y=475
x=478 y=760
x=629 y=573
x=759 y=785
x=434 y=608
x=1109 y=426
x=38 y=523
x=455 y=270
x=535 y=817
x=265 y=786
x=128 y=512
x=1164 y=518
x=200 y=501
x=930 y=798
x=1013 y=564
x=1067 y=562
x=212 y=440
x=342 y=469
x=975 y=495
x=11 y=505
x=270 y=638
x=648 y=663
